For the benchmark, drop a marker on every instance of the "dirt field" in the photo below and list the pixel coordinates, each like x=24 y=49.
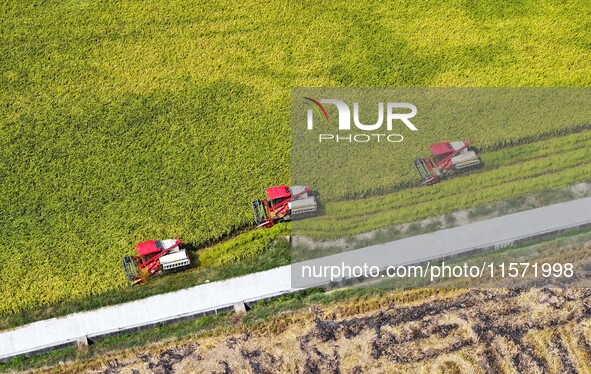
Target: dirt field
x=451 y=331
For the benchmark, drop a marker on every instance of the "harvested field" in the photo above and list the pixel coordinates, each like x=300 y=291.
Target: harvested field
x=445 y=331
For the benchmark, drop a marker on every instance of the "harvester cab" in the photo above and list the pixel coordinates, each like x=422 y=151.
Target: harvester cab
x=284 y=203
x=447 y=158
x=155 y=257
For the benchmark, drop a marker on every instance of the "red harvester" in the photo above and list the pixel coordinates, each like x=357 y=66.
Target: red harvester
x=155 y=257
x=283 y=204
x=448 y=158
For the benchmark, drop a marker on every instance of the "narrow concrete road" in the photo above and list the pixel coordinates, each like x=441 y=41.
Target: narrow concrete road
x=494 y=233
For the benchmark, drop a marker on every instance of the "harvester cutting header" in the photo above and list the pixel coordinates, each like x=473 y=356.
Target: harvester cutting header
x=284 y=203
x=448 y=158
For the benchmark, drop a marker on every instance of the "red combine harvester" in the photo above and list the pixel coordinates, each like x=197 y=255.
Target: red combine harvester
x=283 y=204
x=155 y=257
x=449 y=158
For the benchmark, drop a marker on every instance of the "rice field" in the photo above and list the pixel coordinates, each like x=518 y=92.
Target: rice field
x=127 y=121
